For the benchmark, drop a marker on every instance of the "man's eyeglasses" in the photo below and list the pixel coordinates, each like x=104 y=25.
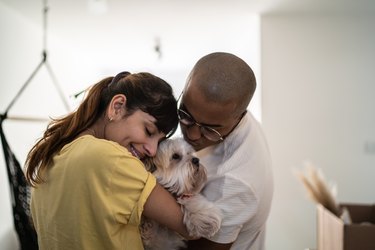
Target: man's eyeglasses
x=210 y=133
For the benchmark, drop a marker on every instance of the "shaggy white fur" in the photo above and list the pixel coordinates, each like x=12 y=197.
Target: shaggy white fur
x=179 y=171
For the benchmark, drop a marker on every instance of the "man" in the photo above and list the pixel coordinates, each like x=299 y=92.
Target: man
x=231 y=145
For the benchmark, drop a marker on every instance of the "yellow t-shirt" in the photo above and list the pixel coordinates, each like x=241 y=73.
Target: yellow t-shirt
x=93 y=198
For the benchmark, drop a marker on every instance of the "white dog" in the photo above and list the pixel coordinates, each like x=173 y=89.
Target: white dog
x=179 y=171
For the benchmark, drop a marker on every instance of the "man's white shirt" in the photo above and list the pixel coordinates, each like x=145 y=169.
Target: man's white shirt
x=240 y=183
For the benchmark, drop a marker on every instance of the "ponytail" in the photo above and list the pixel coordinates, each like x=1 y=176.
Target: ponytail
x=64 y=130
x=144 y=91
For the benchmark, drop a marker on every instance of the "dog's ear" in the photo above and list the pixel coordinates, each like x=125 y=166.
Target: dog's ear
x=149 y=165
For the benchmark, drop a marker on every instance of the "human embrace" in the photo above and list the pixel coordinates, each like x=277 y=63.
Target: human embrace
x=91 y=187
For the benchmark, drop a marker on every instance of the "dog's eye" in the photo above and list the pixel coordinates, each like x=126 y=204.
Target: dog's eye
x=176 y=156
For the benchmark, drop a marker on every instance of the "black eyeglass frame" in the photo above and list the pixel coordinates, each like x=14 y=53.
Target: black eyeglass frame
x=194 y=122
x=189 y=121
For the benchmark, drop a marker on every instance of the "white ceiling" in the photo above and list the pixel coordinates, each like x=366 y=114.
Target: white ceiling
x=67 y=12
x=87 y=43
x=139 y=23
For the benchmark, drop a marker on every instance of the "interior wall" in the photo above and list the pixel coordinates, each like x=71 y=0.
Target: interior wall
x=317 y=106
x=79 y=61
x=317 y=98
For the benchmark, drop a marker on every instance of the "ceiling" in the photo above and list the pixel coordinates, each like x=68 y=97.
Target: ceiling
x=69 y=11
x=115 y=24
x=105 y=36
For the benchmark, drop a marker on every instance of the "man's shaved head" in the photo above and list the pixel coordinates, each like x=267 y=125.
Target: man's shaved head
x=223 y=78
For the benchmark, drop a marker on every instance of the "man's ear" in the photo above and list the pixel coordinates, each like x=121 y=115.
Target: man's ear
x=117 y=107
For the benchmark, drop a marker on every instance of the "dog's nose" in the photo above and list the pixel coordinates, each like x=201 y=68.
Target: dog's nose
x=195 y=161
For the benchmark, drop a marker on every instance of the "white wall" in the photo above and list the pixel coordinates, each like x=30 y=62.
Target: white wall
x=317 y=105
x=79 y=61
x=317 y=95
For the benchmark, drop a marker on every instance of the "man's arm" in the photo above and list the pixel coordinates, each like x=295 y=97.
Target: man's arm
x=204 y=244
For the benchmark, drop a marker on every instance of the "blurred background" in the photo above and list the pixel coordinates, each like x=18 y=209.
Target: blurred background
x=313 y=59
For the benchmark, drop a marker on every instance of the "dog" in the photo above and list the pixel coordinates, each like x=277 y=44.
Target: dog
x=180 y=172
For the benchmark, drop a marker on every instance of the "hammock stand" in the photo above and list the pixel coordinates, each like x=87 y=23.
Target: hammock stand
x=19 y=188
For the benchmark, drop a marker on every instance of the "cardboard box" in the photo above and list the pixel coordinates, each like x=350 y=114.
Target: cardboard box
x=334 y=235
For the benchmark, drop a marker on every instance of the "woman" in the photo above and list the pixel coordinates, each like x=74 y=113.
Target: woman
x=90 y=186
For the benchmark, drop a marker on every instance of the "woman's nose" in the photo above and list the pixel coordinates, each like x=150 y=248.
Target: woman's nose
x=151 y=147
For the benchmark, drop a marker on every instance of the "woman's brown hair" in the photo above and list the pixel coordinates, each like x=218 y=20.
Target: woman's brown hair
x=143 y=91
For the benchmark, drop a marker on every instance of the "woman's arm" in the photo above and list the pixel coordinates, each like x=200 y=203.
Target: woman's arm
x=163 y=208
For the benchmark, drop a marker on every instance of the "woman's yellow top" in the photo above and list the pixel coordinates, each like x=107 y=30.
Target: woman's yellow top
x=92 y=198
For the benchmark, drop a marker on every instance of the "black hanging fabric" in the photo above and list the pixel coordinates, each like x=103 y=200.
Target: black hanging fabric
x=20 y=195
x=19 y=188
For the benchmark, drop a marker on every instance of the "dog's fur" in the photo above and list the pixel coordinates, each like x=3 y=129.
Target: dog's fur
x=179 y=171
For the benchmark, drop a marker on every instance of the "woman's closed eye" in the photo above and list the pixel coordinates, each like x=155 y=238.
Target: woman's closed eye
x=148 y=132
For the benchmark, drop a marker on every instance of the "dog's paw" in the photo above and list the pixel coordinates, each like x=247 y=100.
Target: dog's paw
x=201 y=217
x=148 y=229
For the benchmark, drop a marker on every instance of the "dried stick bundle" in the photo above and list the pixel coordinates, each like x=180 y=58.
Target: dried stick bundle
x=317 y=188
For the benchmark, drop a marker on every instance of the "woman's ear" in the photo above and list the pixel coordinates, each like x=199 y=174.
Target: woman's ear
x=117 y=107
